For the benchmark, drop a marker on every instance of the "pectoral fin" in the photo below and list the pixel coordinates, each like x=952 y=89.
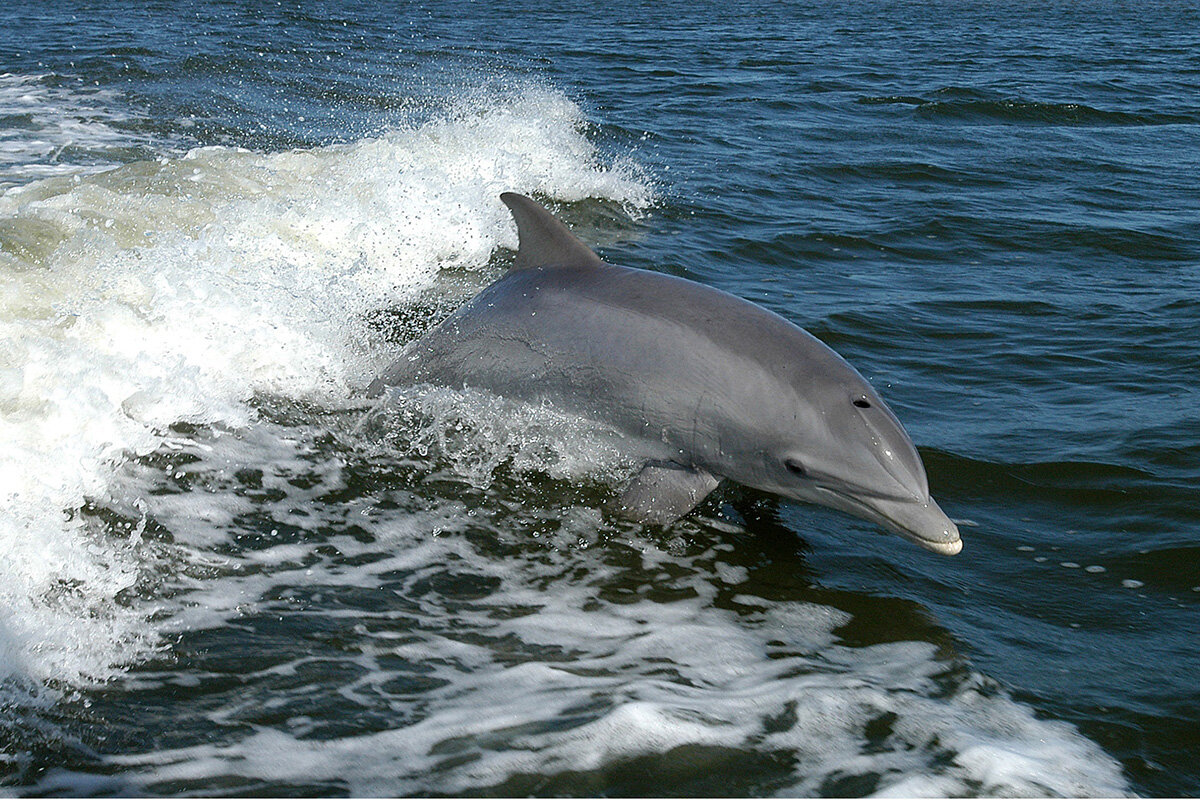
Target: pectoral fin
x=662 y=492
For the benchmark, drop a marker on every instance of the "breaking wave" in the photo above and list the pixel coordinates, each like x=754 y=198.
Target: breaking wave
x=178 y=289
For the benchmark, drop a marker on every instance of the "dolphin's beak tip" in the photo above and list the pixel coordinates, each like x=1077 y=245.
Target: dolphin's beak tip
x=947 y=541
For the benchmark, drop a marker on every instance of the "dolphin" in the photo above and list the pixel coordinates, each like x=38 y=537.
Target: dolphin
x=701 y=384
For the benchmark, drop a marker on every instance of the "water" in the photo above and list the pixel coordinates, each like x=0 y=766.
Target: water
x=221 y=574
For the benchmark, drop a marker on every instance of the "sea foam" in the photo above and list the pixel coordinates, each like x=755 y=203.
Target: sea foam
x=52 y=129
x=446 y=647
x=178 y=289
x=514 y=669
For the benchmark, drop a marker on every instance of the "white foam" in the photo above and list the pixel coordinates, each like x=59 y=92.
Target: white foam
x=642 y=679
x=539 y=672
x=477 y=432
x=58 y=130
x=179 y=289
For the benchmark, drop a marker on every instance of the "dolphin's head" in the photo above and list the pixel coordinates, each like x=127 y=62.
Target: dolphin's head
x=845 y=449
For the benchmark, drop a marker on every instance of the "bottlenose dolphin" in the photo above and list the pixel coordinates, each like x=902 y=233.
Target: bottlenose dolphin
x=703 y=385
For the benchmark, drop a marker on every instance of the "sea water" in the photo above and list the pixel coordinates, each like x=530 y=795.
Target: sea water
x=225 y=570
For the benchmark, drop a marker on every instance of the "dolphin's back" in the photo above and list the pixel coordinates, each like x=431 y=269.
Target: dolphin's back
x=565 y=326
x=635 y=348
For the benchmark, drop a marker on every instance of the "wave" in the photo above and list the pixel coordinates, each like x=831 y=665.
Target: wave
x=1088 y=482
x=973 y=106
x=904 y=173
x=176 y=290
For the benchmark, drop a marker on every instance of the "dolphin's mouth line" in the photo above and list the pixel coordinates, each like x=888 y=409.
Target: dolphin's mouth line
x=870 y=512
x=945 y=548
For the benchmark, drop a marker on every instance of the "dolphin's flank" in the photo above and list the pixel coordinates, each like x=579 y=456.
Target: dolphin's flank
x=703 y=385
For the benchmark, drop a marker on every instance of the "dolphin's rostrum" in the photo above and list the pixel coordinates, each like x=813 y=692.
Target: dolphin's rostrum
x=703 y=385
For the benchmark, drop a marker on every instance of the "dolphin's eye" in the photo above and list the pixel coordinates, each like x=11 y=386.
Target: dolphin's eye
x=862 y=402
x=795 y=468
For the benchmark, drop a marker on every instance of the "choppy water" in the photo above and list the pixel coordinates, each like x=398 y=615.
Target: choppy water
x=219 y=221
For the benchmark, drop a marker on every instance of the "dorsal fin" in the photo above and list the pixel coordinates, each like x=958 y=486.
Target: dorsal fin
x=544 y=241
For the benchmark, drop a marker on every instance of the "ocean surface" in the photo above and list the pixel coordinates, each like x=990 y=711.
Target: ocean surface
x=225 y=571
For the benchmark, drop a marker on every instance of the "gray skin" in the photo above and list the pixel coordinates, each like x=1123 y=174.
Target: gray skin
x=703 y=385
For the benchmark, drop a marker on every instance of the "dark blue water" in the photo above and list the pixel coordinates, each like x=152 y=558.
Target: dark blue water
x=218 y=221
